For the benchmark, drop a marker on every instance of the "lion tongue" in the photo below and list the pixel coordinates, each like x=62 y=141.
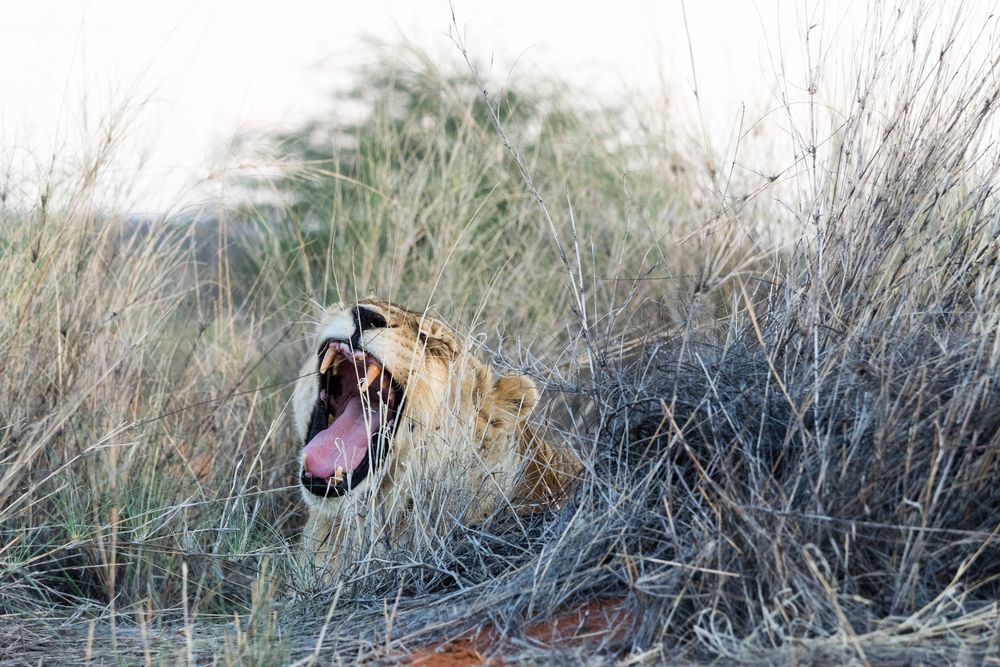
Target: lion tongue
x=344 y=443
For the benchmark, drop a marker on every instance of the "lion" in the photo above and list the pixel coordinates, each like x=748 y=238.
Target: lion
x=391 y=398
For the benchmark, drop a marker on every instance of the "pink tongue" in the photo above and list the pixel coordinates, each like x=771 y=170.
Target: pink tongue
x=344 y=443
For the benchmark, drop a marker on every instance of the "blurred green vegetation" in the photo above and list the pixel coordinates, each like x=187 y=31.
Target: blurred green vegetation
x=405 y=190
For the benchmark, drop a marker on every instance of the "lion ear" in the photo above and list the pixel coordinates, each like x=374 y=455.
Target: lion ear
x=515 y=397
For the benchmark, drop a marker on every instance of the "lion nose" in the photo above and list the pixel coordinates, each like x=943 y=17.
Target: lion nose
x=365 y=319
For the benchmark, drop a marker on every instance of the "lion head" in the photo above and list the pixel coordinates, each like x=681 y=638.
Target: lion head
x=388 y=394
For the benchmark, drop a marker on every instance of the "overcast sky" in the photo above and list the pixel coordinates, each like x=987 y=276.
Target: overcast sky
x=205 y=70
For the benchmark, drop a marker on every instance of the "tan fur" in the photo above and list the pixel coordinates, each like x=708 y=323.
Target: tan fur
x=458 y=416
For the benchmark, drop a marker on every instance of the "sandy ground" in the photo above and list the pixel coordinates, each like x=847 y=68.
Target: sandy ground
x=599 y=622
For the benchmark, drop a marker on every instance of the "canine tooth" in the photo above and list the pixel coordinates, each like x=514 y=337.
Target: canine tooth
x=329 y=359
x=339 y=475
x=373 y=372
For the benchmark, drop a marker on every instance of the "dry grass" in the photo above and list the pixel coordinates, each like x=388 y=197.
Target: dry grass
x=790 y=452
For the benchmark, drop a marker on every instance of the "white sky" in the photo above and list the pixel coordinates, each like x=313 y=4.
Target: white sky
x=210 y=69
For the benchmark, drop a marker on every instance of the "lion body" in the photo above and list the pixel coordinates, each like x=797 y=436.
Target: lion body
x=461 y=441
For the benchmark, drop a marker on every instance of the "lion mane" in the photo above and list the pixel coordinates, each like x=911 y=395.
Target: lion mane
x=390 y=399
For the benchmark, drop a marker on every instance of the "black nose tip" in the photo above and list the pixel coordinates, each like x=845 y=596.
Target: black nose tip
x=365 y=319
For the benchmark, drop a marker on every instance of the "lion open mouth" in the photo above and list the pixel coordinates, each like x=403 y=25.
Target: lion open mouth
x=352 y=421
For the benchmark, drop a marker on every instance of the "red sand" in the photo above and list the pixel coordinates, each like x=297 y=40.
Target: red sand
x=592 y=622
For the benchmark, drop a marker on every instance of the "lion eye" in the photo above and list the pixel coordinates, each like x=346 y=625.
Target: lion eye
x=437 y=347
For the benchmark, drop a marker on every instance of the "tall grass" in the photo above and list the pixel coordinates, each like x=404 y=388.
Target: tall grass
x=789 y=452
